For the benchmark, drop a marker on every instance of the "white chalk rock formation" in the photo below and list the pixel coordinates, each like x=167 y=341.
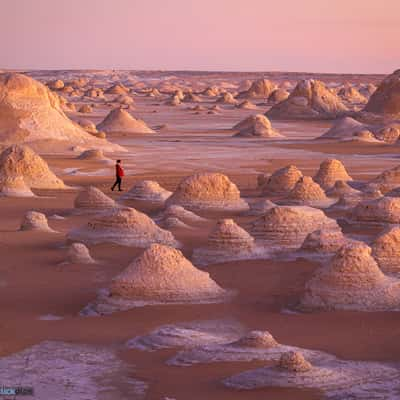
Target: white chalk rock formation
x=282 y=181
x=94 y=155
x=386 y=99
x=385 y=210
x=389 y=134
x=352 y=95
x=322 y=243
x=226 y=242
x=330 y=171
x=387 y=180
x=308 y=192
x=227 y=98
x=342 y=188
x=160 y=275
x=35 y=221
x=343 y=128
x=352 y=281
x=208 y=191
x=286 y=226
x=92 y=199
x=147 y=191
x=334 y=378
x=310 y=99
x=260 y=207
x=187 y=335
x=126 y=227
x=119 y=120
x=259 y=89
x=179 y=213
x=14 y=186
x=31 y=113
x=247 y=105
x=386 y=250
x=278 y=95
x=23 y=161
x=78 y=253
x=163 y=273
x=256 y=126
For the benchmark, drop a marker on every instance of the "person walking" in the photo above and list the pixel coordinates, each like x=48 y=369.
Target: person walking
x=119 y=173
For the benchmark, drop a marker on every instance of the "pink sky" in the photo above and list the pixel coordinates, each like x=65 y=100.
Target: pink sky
x=360 y=36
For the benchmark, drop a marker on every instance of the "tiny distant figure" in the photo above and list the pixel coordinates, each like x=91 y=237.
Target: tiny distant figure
x=119 y=173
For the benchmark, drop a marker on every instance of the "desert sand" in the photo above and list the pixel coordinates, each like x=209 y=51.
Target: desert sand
x=255 y=245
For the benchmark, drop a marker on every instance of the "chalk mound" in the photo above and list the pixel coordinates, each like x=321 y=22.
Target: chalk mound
x=191 y=98
x=342 y=128
x=342 y=188
x=93 y=199
x=208 y=191
x=350 y=200
x=368 y=89
x=260 y=207
x=308 y=192
x=93 y=155
x=35 y=221
x=88 y=125
x=147 y=191
x=389 y=134
x=323 y=242
x=294 y=361
x=351 y=94
x=14 y=186
x=386 y=250
x=211 y=92
x=278 y=95
x=95 y=93
x=257 y=339
x=173 y=101
x=160 y=275
x=126 y=227
x=247 y=105
x=78 y=253
x=227 y=98
x=310 y=99
x=334 y=378
x=117 y=89
x=163 y=273
x=387 y=180
x=386 y=99
x=352 y=281
x=57 y=84
x=119 y=120
x=173 y=223
x=330 y=171
x=384 y=210
x=261 y=88
x=226 y=242
x=85 y=109
x=124 y=100
x=288 y=226
x=282 y=181
x=187 y=335
x=23 y=161
x=179 y=213
x=256 y=126
x=365 y=136
x=153 y=92
x=255 y=345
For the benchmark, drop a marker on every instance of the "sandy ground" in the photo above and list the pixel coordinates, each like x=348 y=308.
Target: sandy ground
x=34 y=284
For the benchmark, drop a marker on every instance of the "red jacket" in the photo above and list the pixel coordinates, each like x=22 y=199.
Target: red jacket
x=119 y=171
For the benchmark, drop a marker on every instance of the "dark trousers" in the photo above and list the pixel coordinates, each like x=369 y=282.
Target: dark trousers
x=118 y=182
